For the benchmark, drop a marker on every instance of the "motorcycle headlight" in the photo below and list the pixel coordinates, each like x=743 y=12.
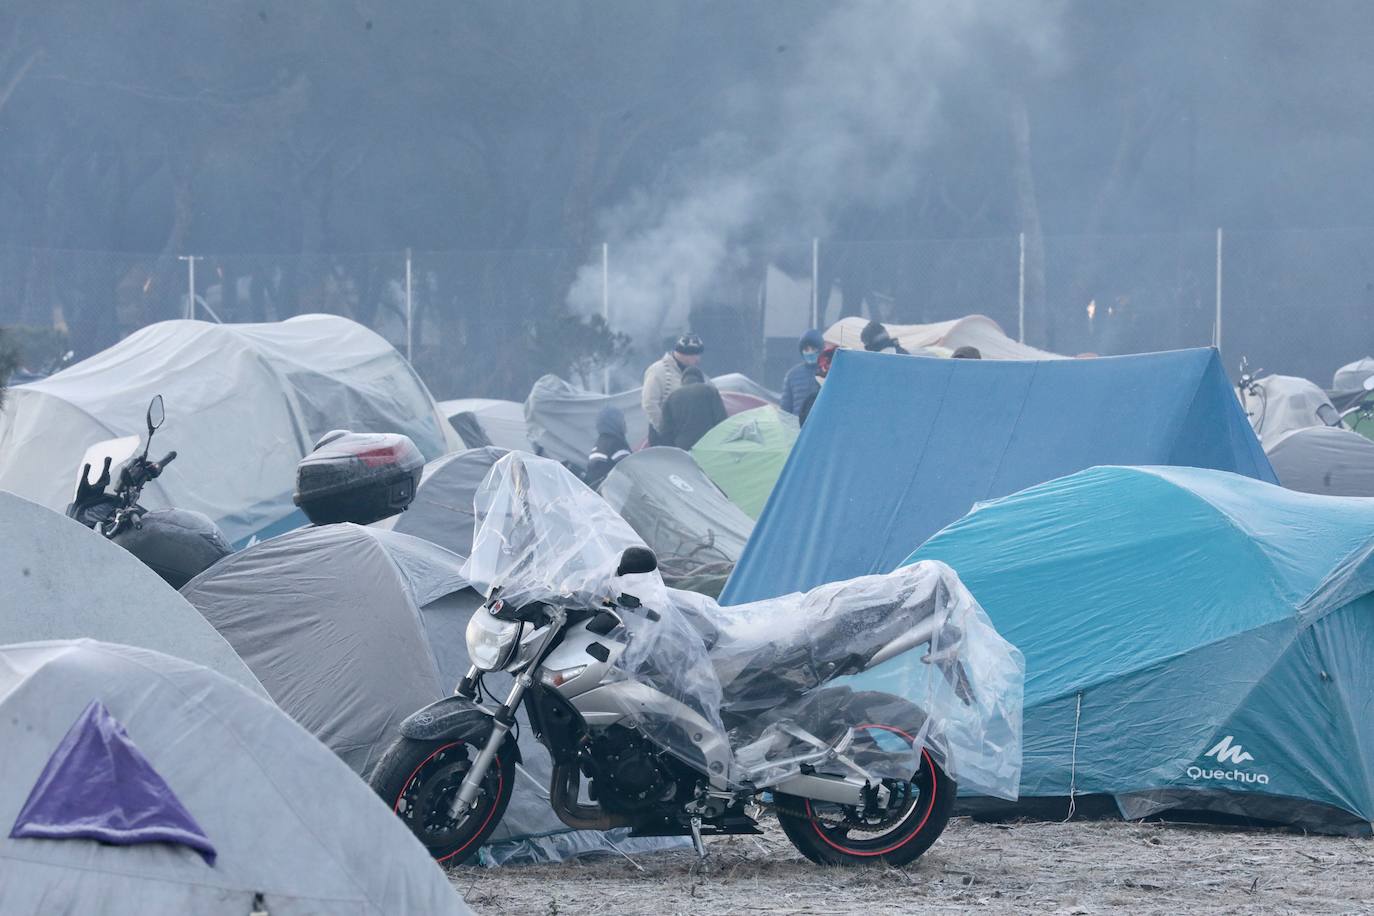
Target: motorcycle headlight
x=491 y=641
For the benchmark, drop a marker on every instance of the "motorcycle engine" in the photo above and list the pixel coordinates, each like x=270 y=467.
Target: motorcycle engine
x=628 y=773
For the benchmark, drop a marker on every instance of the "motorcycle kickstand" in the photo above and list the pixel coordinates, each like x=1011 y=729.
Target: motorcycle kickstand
x=697 y=842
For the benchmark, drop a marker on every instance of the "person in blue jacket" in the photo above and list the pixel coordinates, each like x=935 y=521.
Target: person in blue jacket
x=800 y=382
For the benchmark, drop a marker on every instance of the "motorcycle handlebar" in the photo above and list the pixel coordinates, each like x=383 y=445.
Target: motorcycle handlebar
x=162 y=462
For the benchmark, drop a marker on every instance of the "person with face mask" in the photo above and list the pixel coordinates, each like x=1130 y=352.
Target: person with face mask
x=800 y=383
x=823 y=362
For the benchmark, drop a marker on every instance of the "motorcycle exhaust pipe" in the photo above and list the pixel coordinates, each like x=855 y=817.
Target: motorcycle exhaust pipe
x=563 y=792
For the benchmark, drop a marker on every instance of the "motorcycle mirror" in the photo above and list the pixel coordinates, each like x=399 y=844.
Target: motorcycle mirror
x=636 y=560
x=156 y=414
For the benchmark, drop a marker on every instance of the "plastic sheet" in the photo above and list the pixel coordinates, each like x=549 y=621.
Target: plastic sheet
x=867 y=662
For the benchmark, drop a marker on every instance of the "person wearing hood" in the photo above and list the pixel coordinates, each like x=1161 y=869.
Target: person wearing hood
x=876 y=339
x=691 y=411
x=800 y=382
x=664 y=377
x=610 y=447
x=823 y=362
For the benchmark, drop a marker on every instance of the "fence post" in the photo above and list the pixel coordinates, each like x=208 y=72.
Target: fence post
x=815 y=282
x=1216 y=328
x=1021 y=292
x=606 y=308
x=190 y=260
x=410 y=310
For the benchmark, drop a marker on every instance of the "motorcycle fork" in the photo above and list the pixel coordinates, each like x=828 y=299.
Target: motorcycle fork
x=502 y=721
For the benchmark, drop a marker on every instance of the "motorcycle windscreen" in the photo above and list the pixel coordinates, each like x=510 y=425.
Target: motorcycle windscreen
x=541 y=535
x=119 y=451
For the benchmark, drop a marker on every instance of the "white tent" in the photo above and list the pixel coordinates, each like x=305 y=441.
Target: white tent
x=501 y=423
x=1283 y=403
x=942 y=337
x=61 y=580
x=293 y=831
x=244 y=403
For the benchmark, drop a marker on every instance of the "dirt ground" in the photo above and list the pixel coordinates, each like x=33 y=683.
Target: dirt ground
x=1079 y=868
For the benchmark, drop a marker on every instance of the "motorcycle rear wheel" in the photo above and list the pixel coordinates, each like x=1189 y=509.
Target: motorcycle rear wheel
x=830 y=834
x=419 y=779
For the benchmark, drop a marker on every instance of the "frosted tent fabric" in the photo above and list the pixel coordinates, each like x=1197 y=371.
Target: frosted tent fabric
x=442 y=509
x=244 y=403
x=502 y=422
x=745 y=454
x=1283 y=403
x=98 y=785
x=1350 y=378
x=1327 y=460
x=970 y=331
x=751 y=672
x=1161 y=610
x=60 y=580
x=352 y=629
x=562 y=417
x=899 y=446
x=697 y=533
x=287 y=819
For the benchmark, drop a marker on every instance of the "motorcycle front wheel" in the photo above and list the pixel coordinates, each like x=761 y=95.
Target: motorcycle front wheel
x=833 y=834
x=420 y=779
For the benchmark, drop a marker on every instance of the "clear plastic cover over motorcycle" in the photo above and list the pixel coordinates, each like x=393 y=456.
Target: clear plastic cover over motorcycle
x=880 y=666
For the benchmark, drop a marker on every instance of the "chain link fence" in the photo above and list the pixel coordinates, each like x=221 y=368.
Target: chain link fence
x=488 y=323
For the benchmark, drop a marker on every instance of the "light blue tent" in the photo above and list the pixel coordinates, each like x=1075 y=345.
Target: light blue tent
x=897 y=447
x=1194 y=641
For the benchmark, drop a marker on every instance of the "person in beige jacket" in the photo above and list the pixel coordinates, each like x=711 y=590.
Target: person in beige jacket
x=664 y=376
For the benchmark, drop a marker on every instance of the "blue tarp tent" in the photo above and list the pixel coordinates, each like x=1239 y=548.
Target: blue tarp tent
x=897 y=447
x=1194 y=641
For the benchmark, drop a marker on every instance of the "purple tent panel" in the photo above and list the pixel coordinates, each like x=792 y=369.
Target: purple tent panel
x=98 y=785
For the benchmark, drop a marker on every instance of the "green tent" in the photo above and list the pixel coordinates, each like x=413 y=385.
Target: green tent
x=744 y=454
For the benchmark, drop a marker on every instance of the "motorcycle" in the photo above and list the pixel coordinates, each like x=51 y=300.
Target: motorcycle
x=677 y=719
x=177 y=544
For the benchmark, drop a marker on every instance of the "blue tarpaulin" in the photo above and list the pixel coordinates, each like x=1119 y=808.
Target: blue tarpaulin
x=897 y=447
x=1194 y=640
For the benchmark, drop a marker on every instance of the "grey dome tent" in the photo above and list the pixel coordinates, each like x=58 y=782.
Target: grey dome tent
x=60 y=580
x=486 y=421
x=697 y=533
x=244 y=403
x=351 y=629
x=562 y=417
x=289 y=829
x=441 y=512
x=1327 y=460
x=1280 y=404
x=1347 y=385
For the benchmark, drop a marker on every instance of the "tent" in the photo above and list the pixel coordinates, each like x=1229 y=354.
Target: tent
x=744 y=454
x=562 y=417
x=897 y=447
x=244 y=403
x=1194 y=641
x=1347 y=385
x=351 y=629
x=442 y=510
x=116 y=819
x=943 y=337
x=1279 y=404
x=697 y=533
x=1326 y=460
x=60 y=580
x=488 y=422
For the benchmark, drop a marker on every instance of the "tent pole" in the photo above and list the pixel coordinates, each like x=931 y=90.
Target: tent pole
x=1021 y=293
x=190 y=260
x=409 y=309
x=1216 y=329
x=815 y=282
x=606 y=308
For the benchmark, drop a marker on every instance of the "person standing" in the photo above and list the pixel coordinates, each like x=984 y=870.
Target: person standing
x=823 y=362
x=800 y=383
x=610 y=446
x=691 y=411
x=876 y=339
x=664 y=377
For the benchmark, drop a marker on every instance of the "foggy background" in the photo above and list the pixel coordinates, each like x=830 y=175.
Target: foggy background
x=671 y=163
